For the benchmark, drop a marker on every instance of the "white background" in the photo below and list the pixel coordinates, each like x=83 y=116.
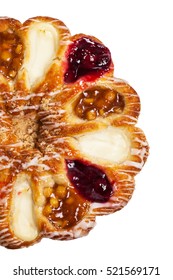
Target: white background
x=139 y=35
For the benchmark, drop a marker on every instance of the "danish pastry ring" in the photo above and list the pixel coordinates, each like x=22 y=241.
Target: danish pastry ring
x=69 y=148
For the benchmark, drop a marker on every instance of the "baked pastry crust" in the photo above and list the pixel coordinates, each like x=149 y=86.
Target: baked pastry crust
x=52 y=126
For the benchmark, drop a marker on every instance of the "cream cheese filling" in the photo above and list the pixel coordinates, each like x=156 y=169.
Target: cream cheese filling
x=23 y=221
x=110 y=144
x=42 y=45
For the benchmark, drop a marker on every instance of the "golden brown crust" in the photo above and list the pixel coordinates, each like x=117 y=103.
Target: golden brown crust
x=6 y=22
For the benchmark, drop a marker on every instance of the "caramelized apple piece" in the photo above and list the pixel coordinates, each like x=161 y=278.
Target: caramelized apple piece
x=11 y=53
x=64 y=208
x=99 y=101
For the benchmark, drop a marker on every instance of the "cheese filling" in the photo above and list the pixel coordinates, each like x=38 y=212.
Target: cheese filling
x=110 y=144
x=41 y=50
x=23 y=221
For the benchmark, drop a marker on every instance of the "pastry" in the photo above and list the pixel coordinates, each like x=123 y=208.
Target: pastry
x=69 y=147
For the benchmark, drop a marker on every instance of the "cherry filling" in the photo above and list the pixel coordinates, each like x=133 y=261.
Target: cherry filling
x=89 y=181
x=86 y=57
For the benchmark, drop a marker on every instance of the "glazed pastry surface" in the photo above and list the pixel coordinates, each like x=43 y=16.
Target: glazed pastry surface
x=69 y=147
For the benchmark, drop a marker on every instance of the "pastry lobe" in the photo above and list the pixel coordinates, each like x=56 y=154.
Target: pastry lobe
x=45 y=40
x=69 y=147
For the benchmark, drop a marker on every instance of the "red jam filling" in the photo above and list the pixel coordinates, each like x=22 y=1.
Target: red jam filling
x=86 y=57
x=89 y=181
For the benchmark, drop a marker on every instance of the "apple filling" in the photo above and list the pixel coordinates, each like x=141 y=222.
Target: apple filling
x=99 y=101
x=11 y=53
x=63 y=207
